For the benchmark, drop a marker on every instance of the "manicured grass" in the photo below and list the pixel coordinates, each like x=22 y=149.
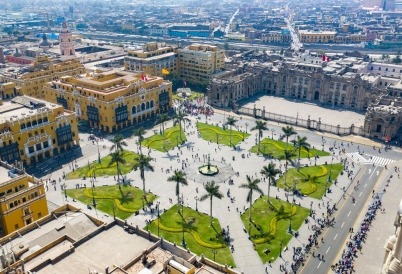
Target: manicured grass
x=276 y=148
x=130 y=199
x=198 y=222
x=102 y=169
x=315 y=187
x=220 y=136
x=172 y=137
x=269 y=237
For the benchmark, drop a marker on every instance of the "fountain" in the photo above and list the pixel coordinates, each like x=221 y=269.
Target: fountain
x=208 y=169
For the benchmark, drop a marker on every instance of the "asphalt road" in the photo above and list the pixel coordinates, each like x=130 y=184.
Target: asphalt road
x=348 y=212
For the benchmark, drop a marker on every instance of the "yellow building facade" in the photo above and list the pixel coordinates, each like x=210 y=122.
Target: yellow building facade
x=32 y=130
x=316 y=37
x=29 y=80
x=199 y=62
x=112 y=100
x=152 y=59
x=23 y=200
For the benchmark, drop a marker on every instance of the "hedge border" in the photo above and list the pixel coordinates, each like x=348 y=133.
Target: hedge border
x=115 y=201
x=194 y=234
x=158 y=140
x=273 y=227
x=226 y=134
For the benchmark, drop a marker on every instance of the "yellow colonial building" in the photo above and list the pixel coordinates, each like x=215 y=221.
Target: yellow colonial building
x=200 y=62
x=152 y=59
x=32 y=130
x=307 y=36
x=29 y=80
x=111 y=100
x=22 y=199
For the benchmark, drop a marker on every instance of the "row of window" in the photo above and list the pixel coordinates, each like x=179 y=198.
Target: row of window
x=30 y=196
x=386 y=69
x=34 y=123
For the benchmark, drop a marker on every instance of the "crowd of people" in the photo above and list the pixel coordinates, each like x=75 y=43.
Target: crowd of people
x=345 y=264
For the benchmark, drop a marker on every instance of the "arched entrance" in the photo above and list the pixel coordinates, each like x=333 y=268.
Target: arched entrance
x=316 y=95
x=378 y=128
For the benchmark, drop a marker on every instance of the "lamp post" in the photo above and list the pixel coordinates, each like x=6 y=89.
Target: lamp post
x=114 y=211
x=177 y=141
x=217 y=140
x=224 y=113
x=311 y=206
x=183 y=241
x=196 y=203
x=246 y=126
x=280 y=250
x=315 y=159
x=93 y=187
x=290 y=224
x=329 y=178
x=157 y=206
x=65 y=193
x=323 y=142
x=272 y=130
x=99 y=158
x=214 y=252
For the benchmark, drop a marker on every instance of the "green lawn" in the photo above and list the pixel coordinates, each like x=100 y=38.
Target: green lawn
x=102 y=169
x=275 y=149
x=199 y=223
x=126 y=202
x=172 y=137
x=315 y=186
x=220 y=136
x=263 y=219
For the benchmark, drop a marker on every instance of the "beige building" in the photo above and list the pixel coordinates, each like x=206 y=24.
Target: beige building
x=111 y=100
x=275 y=37
x=152 y=59
x=307 y=36
x=200 y=62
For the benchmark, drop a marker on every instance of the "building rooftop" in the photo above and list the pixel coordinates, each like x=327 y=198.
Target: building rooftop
x=24 y=106
x=4 y=177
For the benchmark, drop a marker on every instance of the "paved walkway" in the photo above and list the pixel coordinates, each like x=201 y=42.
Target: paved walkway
x=245 y=257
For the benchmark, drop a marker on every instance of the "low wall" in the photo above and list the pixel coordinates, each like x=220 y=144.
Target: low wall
x=217 y=266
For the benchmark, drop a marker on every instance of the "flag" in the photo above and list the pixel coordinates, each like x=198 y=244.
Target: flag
x=142 y=77
x=184 y=83
x=325 y=58
x=164 y=71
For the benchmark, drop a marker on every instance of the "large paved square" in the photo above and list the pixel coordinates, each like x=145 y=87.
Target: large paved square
x=302 y=109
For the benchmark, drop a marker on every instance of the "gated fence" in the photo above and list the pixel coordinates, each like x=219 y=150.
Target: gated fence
x=310 y=124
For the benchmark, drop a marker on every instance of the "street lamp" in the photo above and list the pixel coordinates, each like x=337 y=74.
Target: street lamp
x=329 y=178
x=93 y=187
x=315 y=159
x=177 y=141
x=280 y=250
x=99 y=158
x=311 y=206
x=196 y=203
x=157 y=206
x=224 y=107
x=323 y=142
x=183 y=241
x=290 y=224
x=214 y=252
x=217 y=140
x=246 y=126
x=114 y=211
x=273 y=130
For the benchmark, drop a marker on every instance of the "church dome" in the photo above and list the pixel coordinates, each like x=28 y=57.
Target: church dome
x=45 y=44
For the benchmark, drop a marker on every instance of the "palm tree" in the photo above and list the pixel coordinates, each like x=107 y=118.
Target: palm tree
x=287 y=132
x=117 y=158
x=180 y=117
x=118 y=143
x=231 y=121
x=287 y=156
x=143 y=162
x=212 y=191
x=161 y=119
x=140 y=132
x=300 y=143
x=252 y=185
x=180 y=178
x=270 y=171
x=260 y=126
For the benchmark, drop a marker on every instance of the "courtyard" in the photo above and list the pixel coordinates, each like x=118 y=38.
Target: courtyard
x=304 y=109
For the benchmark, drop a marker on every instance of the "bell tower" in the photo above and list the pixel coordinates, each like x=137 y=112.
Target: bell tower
x=66 y=41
